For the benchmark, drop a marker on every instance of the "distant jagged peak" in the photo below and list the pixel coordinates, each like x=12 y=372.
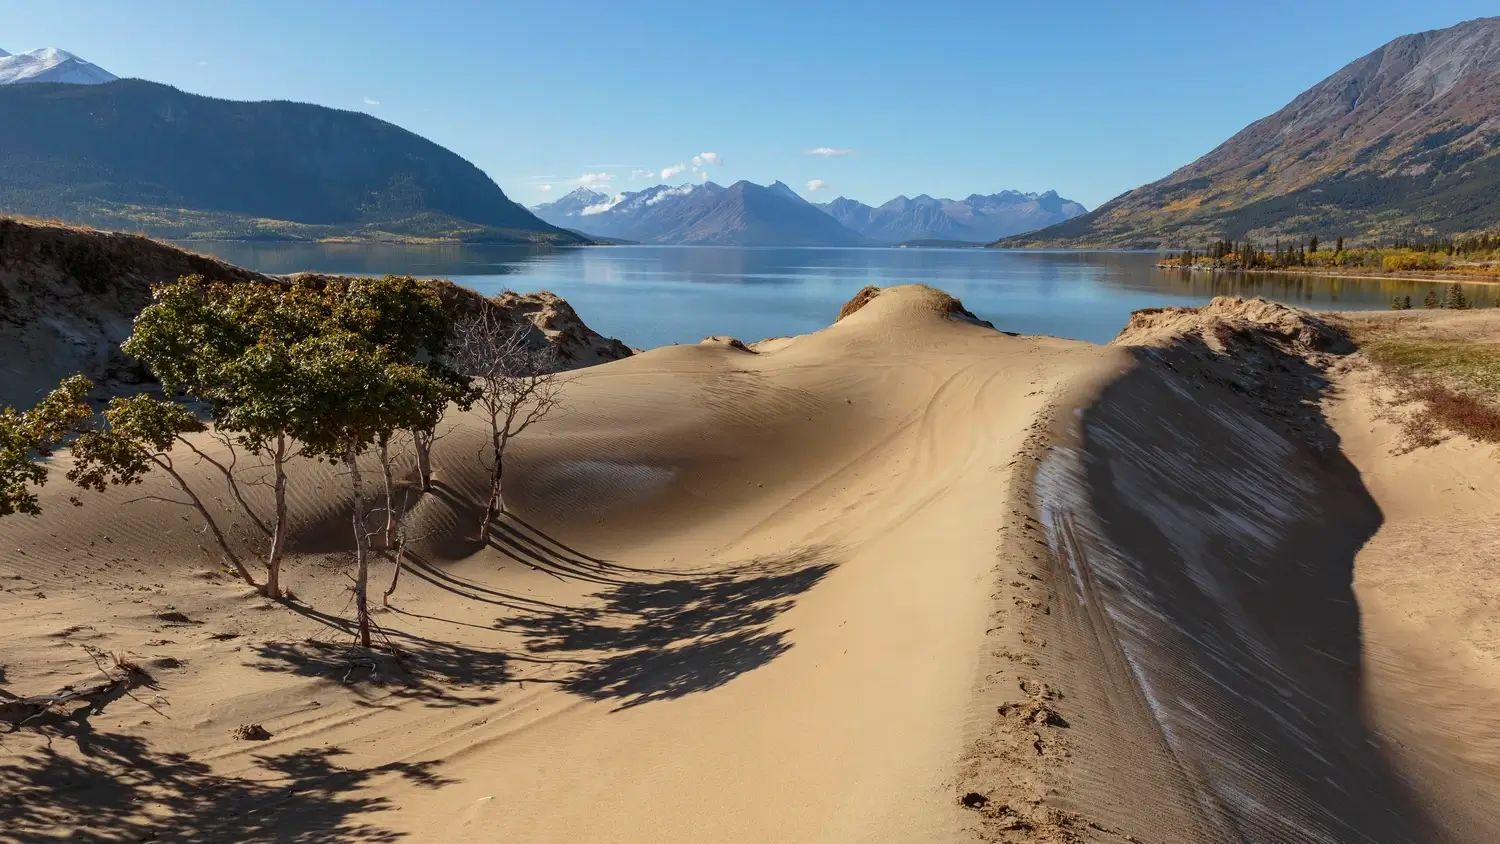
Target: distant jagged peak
x=582 y=192
x=783 y=189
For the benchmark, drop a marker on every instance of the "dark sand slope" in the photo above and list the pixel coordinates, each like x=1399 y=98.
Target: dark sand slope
x=1209 y=523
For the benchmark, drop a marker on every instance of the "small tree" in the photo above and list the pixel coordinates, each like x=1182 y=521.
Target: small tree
x=1312 y=245
x=376 y=368
x=1430 y=300
x=1456 y=298
x=230 y=345
x=137 y=434
x=25 y=437
x=518 y=385
x=1401 y=303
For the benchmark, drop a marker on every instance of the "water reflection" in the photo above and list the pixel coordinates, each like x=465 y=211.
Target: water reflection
x=655 y=295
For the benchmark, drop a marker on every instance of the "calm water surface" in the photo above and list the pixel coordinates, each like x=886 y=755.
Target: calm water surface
x=656 y=295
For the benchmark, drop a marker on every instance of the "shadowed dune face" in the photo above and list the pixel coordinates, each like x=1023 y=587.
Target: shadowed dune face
x=1216 y=544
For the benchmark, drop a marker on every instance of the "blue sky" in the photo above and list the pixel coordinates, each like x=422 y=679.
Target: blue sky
x=1088 y=98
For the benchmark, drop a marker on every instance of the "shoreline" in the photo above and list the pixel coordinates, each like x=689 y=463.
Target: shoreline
x=1370 y=275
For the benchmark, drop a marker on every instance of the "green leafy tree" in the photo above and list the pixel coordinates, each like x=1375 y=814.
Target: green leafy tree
x=377 y=368
x=405 y=317
x=28 y=437
x=1456 y=298
x=137 y=435
x=231 y=345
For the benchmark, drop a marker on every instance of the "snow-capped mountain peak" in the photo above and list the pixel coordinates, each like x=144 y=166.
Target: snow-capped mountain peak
x=782 y=188
x=573 y=204
x=50 y=64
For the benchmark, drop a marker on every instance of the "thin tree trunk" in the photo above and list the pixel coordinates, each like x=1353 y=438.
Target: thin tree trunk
x=423 y=447
x=278 y=536
x=208 y=519
x=395 y=575
x=492 y=503
x=500 y=482
x=390 y=492
x=361 y=551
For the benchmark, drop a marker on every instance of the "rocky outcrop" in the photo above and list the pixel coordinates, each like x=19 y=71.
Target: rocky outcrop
x=558 y=324
x=68 y=297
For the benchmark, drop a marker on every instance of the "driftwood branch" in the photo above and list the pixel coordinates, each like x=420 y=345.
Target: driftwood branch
x=119 y=679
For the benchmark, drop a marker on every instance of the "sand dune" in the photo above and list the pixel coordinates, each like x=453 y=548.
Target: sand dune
x=904 y=579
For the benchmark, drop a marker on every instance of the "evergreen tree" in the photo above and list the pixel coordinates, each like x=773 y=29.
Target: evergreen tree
x=1312 y=245
x=1456 y=298
x=1338 y=245
x=1431 y=300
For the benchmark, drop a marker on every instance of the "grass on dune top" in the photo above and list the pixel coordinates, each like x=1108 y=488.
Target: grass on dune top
x=1451 y=383
x=1474 y=364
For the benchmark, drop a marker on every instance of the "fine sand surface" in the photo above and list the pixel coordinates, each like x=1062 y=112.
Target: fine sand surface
x=751 y=599
x=906 y=579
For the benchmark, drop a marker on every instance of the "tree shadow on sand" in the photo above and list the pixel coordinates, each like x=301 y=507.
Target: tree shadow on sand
x=658 y=640
x=62 y=779
x=406 y=667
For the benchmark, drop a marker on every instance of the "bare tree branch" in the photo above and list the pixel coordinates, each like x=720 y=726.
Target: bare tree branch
x=519 y=385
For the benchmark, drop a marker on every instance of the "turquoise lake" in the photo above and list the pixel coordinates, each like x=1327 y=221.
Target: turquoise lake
x=657 y=295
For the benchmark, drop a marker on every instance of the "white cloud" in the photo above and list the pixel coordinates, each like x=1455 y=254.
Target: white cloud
x=203 y=64
x=601 y=207
x=817 y=184
x=594 y=179
x=828 y=152
x=703 y=158
x=669 y=172
x=371 y=101
x=669 y=193
x=641 y=174
x=611 y=166
x=544 y=188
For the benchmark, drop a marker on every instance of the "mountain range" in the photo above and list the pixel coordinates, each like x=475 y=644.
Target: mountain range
x=147 y=157
x=746 y=214
x=1403 y=142
x=50 y=64
x=743 y=214
x=976 y=218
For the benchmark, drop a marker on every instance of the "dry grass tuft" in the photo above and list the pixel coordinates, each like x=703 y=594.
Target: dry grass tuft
x=862 y=298
x=1439 y=409
x=1440 y=386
